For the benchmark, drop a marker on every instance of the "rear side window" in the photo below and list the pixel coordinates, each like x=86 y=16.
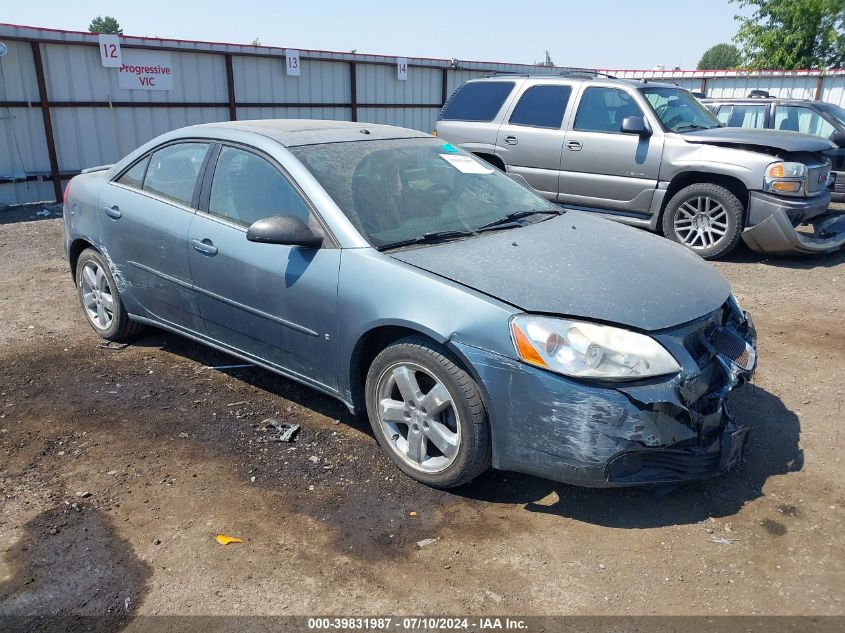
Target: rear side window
x=247 y=188
x=173 y=171
x=542 y=106
x=753 y=116
x=134 y=176
x=478 y=101
x=603 y=109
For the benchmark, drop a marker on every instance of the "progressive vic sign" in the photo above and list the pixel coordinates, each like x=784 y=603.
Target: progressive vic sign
x=145 y=70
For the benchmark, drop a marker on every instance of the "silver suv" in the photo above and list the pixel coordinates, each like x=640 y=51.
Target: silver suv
x=650 y=155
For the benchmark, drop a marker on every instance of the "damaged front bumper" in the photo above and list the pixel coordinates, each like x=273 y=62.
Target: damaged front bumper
x=655 y=432
x=773 y=225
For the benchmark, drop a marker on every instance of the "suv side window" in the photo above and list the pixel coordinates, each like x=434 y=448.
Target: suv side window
x=479 y=101
x=602 y=109
x=247 y=188
x=173 y=171
x=801 y=119
x=542 y=106
x=750 y=116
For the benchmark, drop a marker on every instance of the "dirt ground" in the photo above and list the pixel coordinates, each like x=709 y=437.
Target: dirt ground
x=119 y=466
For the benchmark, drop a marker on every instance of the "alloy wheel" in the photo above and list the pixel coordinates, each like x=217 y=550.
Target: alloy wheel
x=701 y=222
x=97 y=297
x=418 y=417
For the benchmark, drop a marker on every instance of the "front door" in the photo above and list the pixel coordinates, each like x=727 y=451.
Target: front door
x=273 y=302
x=531 y=138
x=603 y=167
x=145 y=214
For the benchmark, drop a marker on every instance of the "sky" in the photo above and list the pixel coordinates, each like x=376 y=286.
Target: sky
x=589 y=33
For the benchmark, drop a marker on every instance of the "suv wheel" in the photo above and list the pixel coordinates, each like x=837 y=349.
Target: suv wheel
x=705 y=218
x=427 y=414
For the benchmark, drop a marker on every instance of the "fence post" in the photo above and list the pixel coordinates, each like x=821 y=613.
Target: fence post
x=48 y=121
x=230 y=85
x=353 y=89
x=444 y=85
x=819 y=83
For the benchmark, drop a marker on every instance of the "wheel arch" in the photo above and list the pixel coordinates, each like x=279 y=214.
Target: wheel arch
x=75 y=250
x=494 y=160
x=378 y=337
x=687 y=178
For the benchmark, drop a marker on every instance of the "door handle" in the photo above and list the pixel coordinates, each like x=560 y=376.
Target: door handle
x=113 y=212
x=206 y=246
x=511 y=140
x=575 y=146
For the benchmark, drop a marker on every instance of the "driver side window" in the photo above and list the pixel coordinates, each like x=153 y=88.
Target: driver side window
x=603 y=109
x=247 y=188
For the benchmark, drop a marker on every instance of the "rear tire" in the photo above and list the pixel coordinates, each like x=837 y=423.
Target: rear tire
x=706 y=218
x=426 y=413
x=100 y=298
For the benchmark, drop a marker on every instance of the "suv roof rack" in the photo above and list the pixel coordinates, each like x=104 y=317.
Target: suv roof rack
x=563 y=71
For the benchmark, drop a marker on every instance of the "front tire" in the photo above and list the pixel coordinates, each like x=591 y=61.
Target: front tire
x=100 y=298
x=426 y=413
x=706 y=218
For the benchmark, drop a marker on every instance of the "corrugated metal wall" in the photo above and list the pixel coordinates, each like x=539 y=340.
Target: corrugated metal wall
x=96 y=122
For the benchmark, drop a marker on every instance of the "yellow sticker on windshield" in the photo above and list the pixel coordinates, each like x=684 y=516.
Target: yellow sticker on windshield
x=465 y=164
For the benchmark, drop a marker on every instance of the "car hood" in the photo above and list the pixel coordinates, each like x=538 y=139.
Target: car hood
x=777 y=139
x=582 y=266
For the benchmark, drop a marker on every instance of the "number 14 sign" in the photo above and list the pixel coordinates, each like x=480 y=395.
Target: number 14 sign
x=109 y=50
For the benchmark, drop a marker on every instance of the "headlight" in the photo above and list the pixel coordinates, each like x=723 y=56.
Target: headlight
x=589 y=350
x=787 y=178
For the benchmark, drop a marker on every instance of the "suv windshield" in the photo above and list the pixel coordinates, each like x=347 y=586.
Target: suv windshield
x=678 y=110
x=399 y=190
x=835 y=111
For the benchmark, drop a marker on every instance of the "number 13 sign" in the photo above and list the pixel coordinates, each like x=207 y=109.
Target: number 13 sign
x=292 y=62
x=109 y=50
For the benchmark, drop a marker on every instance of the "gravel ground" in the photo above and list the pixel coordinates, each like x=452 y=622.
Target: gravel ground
x=118 y=466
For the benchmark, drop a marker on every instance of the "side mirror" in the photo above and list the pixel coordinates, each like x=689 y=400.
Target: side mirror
x=634 y=125
x=283 y=229
x=838 y=138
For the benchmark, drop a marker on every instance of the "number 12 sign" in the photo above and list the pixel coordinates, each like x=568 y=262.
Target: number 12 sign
x=292 y=62
x=110 y=50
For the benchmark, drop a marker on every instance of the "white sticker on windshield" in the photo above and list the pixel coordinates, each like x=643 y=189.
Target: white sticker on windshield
x=465 y=164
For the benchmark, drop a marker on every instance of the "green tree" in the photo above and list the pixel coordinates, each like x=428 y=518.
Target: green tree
x=720 y=57
x=792 y=34
x=546 y=62
x=107 y=24
x=256 y=42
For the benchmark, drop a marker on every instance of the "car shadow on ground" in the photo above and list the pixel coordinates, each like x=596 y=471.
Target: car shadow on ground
x=773 y=449
x=30 y=213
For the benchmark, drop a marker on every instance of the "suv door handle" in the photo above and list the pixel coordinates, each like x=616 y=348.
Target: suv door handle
x=511 y=140
x=575 y=146
x=113 y=212
x=206 y=246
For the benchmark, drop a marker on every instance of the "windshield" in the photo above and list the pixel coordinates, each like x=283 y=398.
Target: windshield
x=402 y=189
x=678 y=110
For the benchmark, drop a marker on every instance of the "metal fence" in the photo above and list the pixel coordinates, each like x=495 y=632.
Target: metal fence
x=61 y=110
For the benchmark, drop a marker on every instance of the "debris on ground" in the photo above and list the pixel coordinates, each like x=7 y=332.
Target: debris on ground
x=720 y=540
x=279 y=431
x=412 y=514
x=221 y=367
x=427 y=541
x=43 y=213
x=225 y=540
x=84 y=495
x=113 y=345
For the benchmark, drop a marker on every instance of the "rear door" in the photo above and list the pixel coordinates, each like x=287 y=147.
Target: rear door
x=274 y=302
x=602 y=167
x=530 y=140
x=144 y=216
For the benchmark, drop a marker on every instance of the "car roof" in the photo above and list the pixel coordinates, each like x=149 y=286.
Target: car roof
x=294 y=132
x=577 y=78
